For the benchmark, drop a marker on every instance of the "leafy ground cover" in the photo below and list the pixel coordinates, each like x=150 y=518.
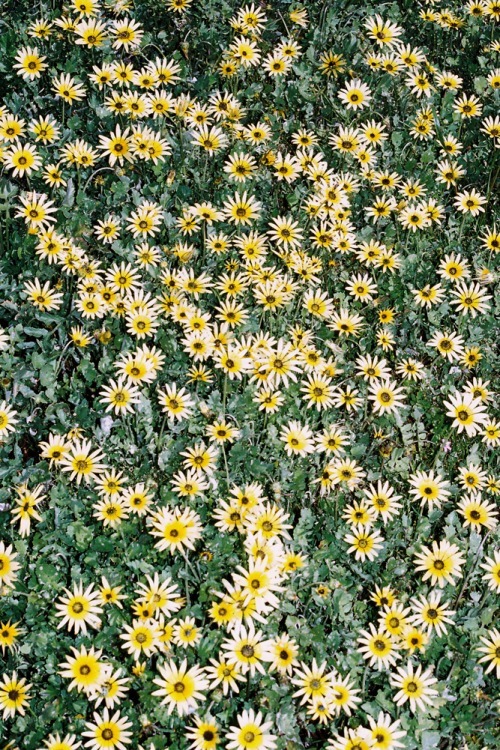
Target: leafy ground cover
x=249 y=369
